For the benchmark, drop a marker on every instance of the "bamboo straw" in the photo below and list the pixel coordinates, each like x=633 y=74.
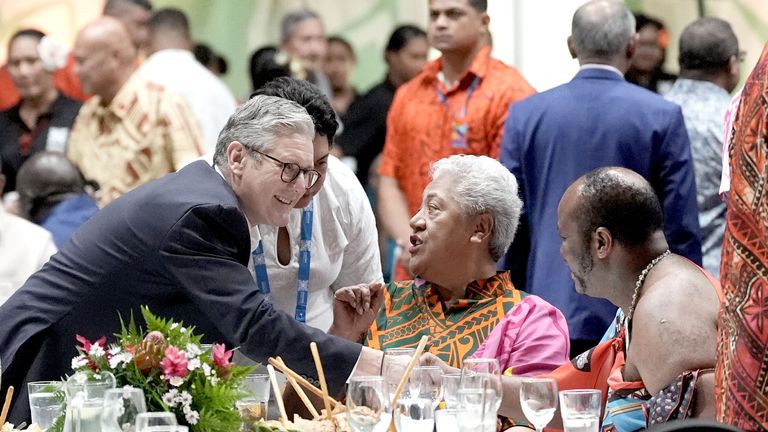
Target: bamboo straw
x=303 y=396
x=280 y=365
x=6 y=406
x=278 y=397
x=321 y=378
x=404 y=380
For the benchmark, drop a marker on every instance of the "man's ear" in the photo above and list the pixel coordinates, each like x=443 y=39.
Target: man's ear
x=632 y=46
x=570 y=47
x=236 y=157
x=602 y=241
x=483 y=228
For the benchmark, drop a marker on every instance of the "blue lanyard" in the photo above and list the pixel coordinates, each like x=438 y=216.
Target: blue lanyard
x=459 y=126
x=302 y=285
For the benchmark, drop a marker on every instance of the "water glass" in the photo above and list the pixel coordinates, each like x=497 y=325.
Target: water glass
x=447 y=420
x=538 y=398
x=253 y=407
x=477 y=410
x=150 y=421
x=121 y=406
x=450 y=390
x=414 y=415
x=46 y=402
x=580 y=410
x=167 y=428
x=481 y=374
x=425 y=382
x=368 y=404
x=393 y=365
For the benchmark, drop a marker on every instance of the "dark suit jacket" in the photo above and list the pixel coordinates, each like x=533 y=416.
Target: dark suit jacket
x=552 y=138
x=179 y=245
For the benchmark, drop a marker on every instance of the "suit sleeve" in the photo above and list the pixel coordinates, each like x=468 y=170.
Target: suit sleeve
x=675 y=185
x=200 y=253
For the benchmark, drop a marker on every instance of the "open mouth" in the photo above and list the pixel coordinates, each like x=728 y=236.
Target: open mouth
x=415 y=243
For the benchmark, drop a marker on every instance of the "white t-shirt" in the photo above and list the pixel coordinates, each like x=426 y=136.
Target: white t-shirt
x=24 y=248
x=344 y=250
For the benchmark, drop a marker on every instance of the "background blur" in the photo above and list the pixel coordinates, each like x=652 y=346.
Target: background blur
x=529 y=34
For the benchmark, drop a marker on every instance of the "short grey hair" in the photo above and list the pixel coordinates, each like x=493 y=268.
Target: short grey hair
x=292 y=18
x=602 y=29
x=258 y=122
x=483 y=185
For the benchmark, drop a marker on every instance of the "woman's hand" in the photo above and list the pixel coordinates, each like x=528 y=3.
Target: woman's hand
x=354 y=309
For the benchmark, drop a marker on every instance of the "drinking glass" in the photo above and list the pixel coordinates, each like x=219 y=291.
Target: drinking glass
x=393 y=365
x=580 y=410
x=447 y=420
x=253 y=407
x=538 y=398
x=167 y=428
x=150 y=421
x=85 y=400
x=477 y=410
x=414 y=415
x=450 y=390
x=121 y=406
x=46 y=402
x=368 y=404
x=425 y=383
x=479 y=374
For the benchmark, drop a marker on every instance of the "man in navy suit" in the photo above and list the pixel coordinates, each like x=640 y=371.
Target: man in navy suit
x=595 y=120
x=181 y=246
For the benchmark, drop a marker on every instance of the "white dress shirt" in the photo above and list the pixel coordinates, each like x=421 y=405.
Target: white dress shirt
x=344 y=249
x=24 y=248
x=208 y=97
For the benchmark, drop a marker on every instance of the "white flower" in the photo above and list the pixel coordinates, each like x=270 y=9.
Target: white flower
x=214 y=380
x=185 y=398
x=53 y=53
x=174 y=325
x=192 y=417
x=193 y=364
x=206 y=369
x=96 y=350
x=81 y=378
x=79 y=361
x=114 y=350
x=193 y=350
x=176 y=381
x=183 y=330
x=170 y=397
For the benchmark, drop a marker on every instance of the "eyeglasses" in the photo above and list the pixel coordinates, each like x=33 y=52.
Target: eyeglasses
x=741 y=55
x=291 y=171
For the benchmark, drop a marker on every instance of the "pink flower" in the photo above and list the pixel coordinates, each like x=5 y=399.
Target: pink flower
x=221 y=356
x=174 y=363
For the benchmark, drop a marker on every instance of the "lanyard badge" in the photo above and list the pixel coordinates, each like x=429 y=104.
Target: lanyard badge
x=459 y=125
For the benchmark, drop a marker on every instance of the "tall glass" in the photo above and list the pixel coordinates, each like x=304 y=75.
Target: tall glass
x=580 y=410
x=414 y=415
x=253 y=407
x=150 y=421
x=121 y=407
x=393 y=365
x=538 y=398
x=450 y=390
x=46 y=402
x=477 y=410
x=479 y=374
x=368 y=404
x=447 y=420
x=85 y=400
x=425 y=383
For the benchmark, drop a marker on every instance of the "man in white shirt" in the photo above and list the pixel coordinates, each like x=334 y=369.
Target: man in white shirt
x=342 y=247
x=24 y=248
x=172 y=64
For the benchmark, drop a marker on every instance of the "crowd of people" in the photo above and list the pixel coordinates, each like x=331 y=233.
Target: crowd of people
x=582 y=233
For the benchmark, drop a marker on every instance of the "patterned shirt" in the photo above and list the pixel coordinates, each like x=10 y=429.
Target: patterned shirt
x=413 y=309
x=147 y=131
x=424 y=117
x=704 y=105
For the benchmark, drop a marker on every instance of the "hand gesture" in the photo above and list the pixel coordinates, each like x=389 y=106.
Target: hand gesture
x=354 y=309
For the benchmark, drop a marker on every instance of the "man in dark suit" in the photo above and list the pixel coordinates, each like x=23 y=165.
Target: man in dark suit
x=180 y=245
x=597 y=119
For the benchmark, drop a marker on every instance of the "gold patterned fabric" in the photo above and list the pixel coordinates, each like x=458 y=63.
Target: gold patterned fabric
x=147 y=131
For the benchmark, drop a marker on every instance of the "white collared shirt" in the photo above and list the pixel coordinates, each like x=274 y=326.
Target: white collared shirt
x=601 y=66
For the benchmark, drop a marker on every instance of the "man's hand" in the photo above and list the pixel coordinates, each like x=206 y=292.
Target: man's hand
x=429 y=359
x=355 y=308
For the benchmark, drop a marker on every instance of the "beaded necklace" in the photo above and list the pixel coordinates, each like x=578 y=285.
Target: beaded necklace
x=638 y=284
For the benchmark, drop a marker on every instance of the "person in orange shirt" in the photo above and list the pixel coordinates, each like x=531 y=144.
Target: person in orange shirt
x=133 y=14
x=456 y=105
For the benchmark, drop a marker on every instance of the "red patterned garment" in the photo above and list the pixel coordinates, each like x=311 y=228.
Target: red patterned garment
x=742 y=363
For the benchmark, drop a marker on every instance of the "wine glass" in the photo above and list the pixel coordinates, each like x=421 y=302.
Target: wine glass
x=538 y=398
x=150 y=421
x=121 y=407
x=393 y=365
x=425 y=383
x=368 y=404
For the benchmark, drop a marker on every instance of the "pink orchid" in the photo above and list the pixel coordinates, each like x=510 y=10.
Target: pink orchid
x=221 y=356
x=174 y=363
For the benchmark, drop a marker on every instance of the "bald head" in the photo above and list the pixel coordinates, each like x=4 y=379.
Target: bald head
x=617 y=199
x=602 y=30
x=44 y=180
x=104 y=57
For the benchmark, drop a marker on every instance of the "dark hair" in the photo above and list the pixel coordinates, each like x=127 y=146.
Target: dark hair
x=33 y=33
x=630 y=210
x=340 y=40
x=707 y=45
x=479 y=5
x=642 y=20
x=402 y=35
x=264 y=68
x=221 y=64
x=310 y=97
x=171 y=19
x=203 y=53
x=111 y=5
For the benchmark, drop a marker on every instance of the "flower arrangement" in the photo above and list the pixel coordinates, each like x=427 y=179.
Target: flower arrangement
x=166 y=360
